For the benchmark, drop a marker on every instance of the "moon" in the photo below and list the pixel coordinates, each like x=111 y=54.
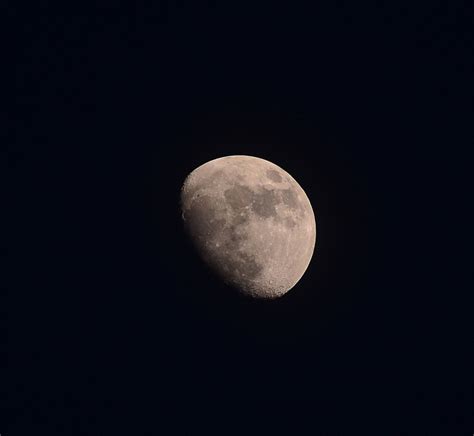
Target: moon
x=251 y=222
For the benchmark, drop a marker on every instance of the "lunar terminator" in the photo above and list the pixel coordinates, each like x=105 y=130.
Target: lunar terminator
x=251 y=222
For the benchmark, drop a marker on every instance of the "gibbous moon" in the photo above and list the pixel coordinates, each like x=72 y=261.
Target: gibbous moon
x=251 y=222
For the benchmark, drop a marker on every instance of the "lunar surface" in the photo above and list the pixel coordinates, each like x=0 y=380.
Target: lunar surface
x=251 y=222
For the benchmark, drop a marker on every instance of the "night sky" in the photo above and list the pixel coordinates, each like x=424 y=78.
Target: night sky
x=113 y=324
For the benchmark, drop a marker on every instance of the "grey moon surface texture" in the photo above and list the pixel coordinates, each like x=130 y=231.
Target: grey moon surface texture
x=251 y=222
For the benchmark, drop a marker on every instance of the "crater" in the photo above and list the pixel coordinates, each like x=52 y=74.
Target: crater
x=274 y=176
x=289 y=222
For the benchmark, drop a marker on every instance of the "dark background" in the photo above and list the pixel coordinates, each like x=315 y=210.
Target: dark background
x=114 y=327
